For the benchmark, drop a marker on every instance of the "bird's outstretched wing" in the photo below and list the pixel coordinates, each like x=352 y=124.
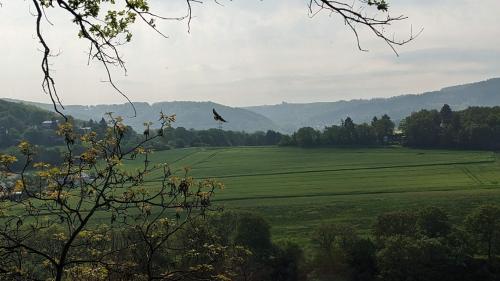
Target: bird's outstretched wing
x=217 y=116
x=215 y=113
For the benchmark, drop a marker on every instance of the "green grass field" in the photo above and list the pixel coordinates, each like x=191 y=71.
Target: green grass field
x=299 y=189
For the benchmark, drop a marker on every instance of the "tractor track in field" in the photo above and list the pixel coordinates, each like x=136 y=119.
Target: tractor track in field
x=212 y=155
x=184 y=157
x=472 y=176
x=330 y=194
x=469 y=174
x=352 y=169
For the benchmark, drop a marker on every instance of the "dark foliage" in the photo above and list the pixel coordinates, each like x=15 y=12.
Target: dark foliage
x=472 y=128
x=379 y=132
x=181 y=137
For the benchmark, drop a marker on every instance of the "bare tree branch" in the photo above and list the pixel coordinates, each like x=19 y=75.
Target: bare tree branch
x=354 y=15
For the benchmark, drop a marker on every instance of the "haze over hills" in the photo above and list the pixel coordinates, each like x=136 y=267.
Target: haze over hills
x=288 y=117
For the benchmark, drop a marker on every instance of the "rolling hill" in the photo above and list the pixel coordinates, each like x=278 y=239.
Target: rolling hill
x=191 y=115
x=288 y=117
x=15 y=116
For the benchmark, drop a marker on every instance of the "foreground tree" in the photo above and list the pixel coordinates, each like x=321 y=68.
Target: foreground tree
x=98 y=215
x=484 y=225
x=339 y=253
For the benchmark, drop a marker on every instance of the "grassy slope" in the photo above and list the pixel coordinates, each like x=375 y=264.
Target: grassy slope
x=298 y=189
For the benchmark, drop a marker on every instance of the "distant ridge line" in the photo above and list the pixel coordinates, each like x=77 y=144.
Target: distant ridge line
x=288 y=117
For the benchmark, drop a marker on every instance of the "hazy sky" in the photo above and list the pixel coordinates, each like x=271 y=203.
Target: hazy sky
x=252 y=52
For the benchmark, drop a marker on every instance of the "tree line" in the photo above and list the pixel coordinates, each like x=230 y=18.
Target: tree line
x=181 y=137
x=472 y=128
x=379 y=132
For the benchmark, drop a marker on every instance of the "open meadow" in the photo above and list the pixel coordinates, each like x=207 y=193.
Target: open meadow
x=298 y=189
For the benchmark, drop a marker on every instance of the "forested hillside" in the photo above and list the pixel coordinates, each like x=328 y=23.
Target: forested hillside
x=15 y=115
x=23 y=121
x=190 y=115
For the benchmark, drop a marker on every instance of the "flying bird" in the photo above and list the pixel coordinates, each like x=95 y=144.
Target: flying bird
x=217 y=116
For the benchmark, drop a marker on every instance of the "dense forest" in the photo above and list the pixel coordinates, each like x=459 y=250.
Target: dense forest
x=421 y=244
x=409 y=245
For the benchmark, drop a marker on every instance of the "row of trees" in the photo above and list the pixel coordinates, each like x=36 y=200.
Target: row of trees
x=380 y=131
x=181 y=137
x=472 y=128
